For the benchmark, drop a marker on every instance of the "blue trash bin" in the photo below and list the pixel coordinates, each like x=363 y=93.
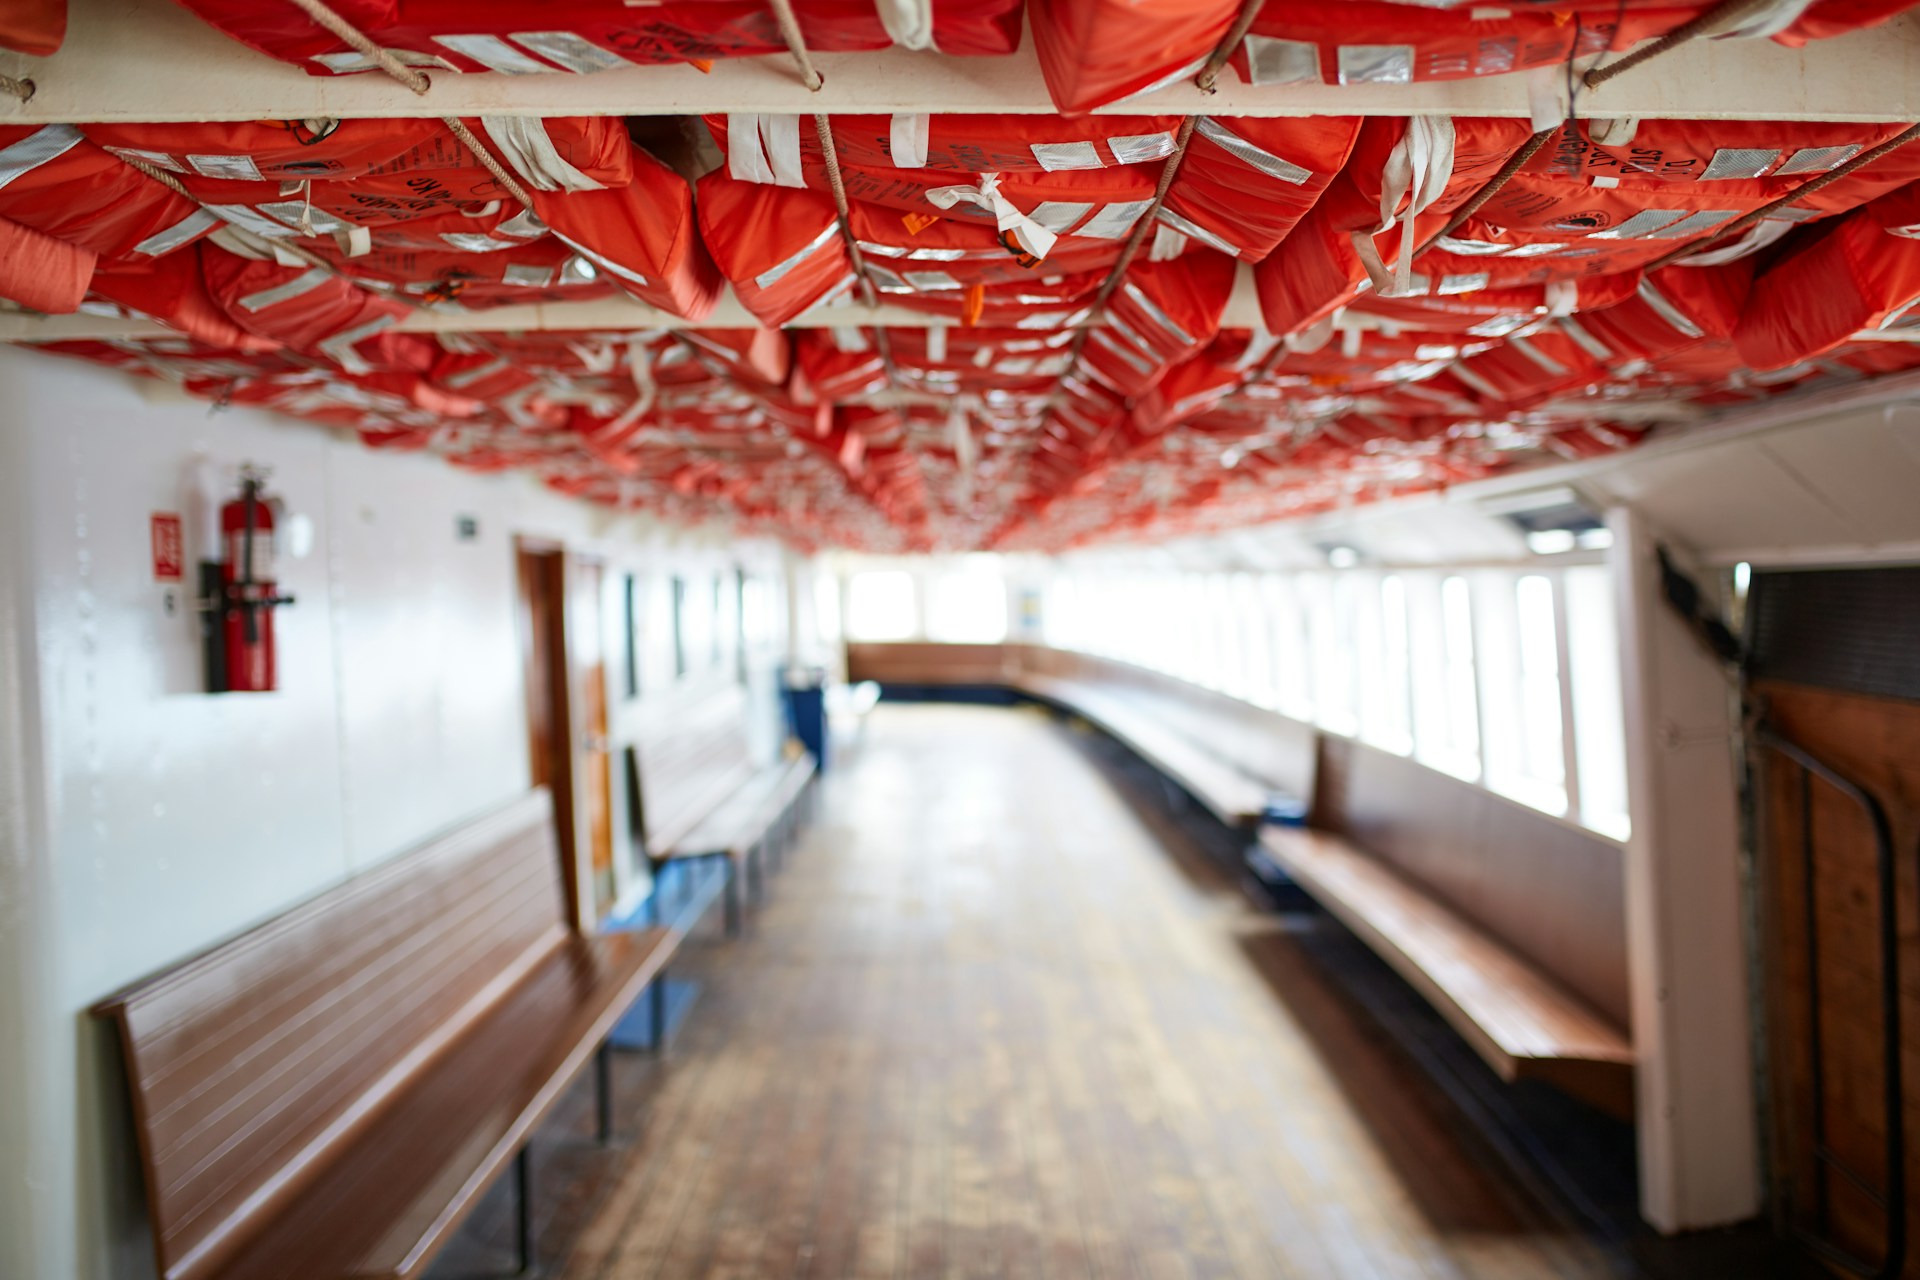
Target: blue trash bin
x=805 y=695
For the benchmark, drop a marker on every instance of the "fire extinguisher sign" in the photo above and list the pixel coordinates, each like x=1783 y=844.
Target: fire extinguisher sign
x=169 y=551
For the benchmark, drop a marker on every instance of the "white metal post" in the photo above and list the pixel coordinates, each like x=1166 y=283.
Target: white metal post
x=1685 y=943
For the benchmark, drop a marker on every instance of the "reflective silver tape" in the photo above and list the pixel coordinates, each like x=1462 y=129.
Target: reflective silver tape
x=525 y=145
x=304 y=283
x=1271 y=61
x=1376 y=64
x=931 y=280
x=1641 y=224
x=1662 y=307
x=886 y=279
x=1152 y=309
x=772 y=275
x=340 y=345
x=158 y=159
x=292 y=212
x=1459 y=370
x=1263 y=160
x=474 y=242
x=1114 y=221
x=522 y=226
x=525 y=275
x=1695 y=224
x=1817 y=159
x=1740 y=162
x=248 y=218
x=467 y=377
x=1057 y=156
x=494 y=54
x=1472 y=248
x=1057 y=215
x=1140 y=148
x=347 y=61
x=233 y=167
x=1466 y=282
x=1546 y=362
x=1193 y=230
x=36 y=149
x=584 y=268
x=570 y=50
x=200 y=220
x=1124 y=351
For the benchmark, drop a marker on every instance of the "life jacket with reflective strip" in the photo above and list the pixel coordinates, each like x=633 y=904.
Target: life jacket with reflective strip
x=1861 y=272
x=1669 y=310
x=1383 y=42
x=583 y=36
x=173 y=291
x=1245 y=183
x=56 y=182
x=1524 y=369
x=1584 y=208
x=1093 y=52
x=307 y=308
x=836 y=364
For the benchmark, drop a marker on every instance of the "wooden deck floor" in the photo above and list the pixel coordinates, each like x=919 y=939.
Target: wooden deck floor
x=989 y=1025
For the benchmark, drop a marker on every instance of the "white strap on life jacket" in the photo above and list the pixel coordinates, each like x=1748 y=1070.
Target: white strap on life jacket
x=529 y=151
x=1769 y=20
x=908 y=22
x=764 y=149
x=906 y=139
x=1030 y=235
x=1417 y=171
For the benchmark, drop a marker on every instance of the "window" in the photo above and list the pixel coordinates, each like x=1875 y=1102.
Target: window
x=826 y=607
x=679 y=626
x=1385 y=692
x=1292 y=671
x=1539 y=774
x=1329 y=609
x=1458 y=747
x=1593 y=679
x=630 y=634
x=1256 y=649
x=967 y=606
x=1225 y=662
x=882 y=605
x=716 y=616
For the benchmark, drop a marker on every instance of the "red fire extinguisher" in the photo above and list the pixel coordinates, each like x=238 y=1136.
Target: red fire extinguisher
x=247 y=593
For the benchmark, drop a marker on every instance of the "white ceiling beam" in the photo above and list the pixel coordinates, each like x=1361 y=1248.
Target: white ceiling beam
x=1242 y=312
x=151 y=60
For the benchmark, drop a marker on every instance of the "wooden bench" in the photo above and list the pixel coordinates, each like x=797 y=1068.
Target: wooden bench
x=328 y=1095
x=702 y=794
x=1510 y=922
x=929 y=664
x=1228 y=754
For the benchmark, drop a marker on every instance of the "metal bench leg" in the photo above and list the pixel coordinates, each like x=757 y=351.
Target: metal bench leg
x=756 y=878
x=657 y=1012
x=603 y=1090
x=733 y=900
x=523 y=1192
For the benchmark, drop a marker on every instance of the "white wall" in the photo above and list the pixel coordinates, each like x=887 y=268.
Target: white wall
x=140 y=820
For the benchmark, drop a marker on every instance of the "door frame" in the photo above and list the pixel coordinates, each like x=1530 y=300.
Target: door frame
x=552 y=682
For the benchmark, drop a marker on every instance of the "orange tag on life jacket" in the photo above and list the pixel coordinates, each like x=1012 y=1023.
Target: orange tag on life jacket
x=975 y=304
x=703 y=65
x=917 y=222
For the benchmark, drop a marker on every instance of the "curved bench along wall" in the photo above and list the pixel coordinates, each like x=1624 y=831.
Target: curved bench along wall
x=1552 y=891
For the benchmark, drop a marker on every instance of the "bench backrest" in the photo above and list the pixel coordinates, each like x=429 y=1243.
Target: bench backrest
x=1553 y=891
x=694 y=747
x=927 y=663
x=1274 y=748
x=251 y=1063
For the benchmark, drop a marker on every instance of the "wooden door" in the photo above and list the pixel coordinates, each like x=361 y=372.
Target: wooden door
x=563 y=648
x=1836 y=782
x=593 y=757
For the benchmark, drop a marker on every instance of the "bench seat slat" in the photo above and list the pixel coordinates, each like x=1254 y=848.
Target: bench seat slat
x=1231 y=795
x=382 y=1206
x=1518 y=1019
x=740 y=820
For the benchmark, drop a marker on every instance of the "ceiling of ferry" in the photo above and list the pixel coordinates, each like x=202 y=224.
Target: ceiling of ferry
x=933 y=331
